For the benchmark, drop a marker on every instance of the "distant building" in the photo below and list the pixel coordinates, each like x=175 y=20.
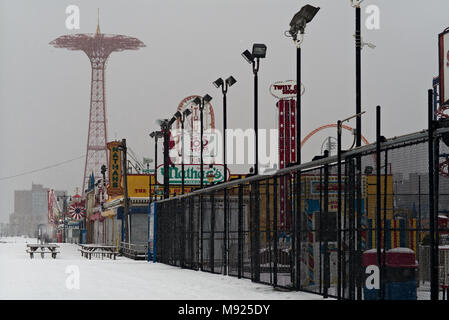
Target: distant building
x=30 y=210
x=3 y=229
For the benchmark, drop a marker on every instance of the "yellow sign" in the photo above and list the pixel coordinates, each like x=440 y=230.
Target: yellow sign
x=115 y=168
x=138 y=186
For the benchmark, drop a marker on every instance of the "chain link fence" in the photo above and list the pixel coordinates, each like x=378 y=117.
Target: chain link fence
x=361 y=234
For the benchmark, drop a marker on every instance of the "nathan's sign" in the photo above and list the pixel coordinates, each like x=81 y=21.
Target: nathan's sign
x=192 y=173
x=115 y=168
x=284 y=89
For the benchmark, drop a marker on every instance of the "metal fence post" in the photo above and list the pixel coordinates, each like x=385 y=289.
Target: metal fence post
x=378 y=203
x=267 y=227
x=183 y=233
x=240 y=236
x=275 y=232
x=225 y=231
x=434 y=290
x=339 y=211
x=212 y=233
x=201 y=232
x=257 y=234
x=326 y=245
x=352 y=256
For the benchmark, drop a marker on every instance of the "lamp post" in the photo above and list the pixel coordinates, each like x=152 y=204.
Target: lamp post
x=201 y=102
x=358 y=49
x=156 y=135
x=259 y=51
x=165 y=129
x=182 y=117
x=224 y=89
x=298 y=24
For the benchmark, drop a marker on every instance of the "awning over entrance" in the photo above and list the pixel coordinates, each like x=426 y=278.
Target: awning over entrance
x=108 y=213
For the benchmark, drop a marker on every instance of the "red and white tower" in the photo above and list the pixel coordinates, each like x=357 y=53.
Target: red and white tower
x=97 y=47
x=285 y=91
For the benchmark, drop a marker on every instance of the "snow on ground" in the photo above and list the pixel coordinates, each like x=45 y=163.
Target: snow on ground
x=25 y=278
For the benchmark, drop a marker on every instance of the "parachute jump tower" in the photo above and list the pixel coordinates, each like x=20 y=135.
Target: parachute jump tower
x=97 y=47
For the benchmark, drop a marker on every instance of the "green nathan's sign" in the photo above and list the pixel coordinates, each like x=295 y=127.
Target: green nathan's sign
x=192 y=174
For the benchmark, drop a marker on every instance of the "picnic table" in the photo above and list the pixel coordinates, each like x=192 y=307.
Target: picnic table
x=42 y=248
x=87 y=250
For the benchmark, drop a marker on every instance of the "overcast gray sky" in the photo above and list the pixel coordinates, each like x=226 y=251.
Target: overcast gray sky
x=45 y=92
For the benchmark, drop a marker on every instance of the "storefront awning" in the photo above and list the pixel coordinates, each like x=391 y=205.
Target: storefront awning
x=108 y=213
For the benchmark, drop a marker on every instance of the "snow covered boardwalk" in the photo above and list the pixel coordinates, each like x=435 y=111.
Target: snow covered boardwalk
x=25 y=278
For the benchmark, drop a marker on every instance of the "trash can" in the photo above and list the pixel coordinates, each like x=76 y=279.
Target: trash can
x=369 y=258
x=400 y=274
x=400 y=282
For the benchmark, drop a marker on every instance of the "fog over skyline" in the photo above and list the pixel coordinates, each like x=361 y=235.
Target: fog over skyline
x=45 y=91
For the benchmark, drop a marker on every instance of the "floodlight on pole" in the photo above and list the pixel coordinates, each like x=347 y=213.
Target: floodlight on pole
x=356 y=3
x=165 y=128
x=230 y=81
x=259 y=51
x=187 y=112
x=156 y=135
x=300 y=21
x=298 y=24
x=218 y=83
x=206 y=99
x=182 y=117
x=248 y=56
x=201 y=102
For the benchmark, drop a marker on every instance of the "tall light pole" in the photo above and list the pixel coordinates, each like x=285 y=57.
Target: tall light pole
x=298 y=24
x=201 y=102
x=156 y=135
x=259 y=51
x=182 y=117
x=224 y=89
x=358 y=109
x=165 y=128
